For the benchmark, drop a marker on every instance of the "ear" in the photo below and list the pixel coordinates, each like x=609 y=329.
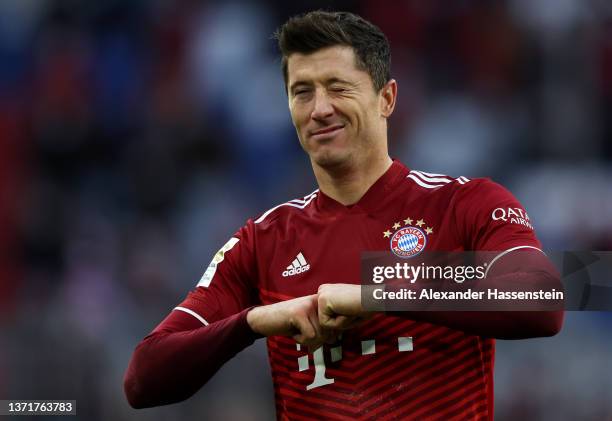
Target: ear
x=388 y=96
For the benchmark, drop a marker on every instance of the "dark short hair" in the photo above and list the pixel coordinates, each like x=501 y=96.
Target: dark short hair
x=319 y=29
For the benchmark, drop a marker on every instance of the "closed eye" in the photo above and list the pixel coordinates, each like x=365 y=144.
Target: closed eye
x=302 y=94
x=338 y=89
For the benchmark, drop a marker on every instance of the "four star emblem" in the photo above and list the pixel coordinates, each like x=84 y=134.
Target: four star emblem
x=408 y=221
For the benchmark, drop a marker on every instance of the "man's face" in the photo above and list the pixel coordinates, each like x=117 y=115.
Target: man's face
x=334 y=107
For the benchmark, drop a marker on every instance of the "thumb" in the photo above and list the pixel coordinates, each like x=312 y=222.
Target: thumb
x=337 y=322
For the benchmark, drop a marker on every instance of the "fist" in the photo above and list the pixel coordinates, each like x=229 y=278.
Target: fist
x=339 y=306
x=296 y=318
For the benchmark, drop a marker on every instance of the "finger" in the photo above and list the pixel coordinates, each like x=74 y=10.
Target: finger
x=325 y=314
x=342 y=322
x=314 y=321
x=338 y=322
x=325 y=320
x=321 y=333
x=307 y=333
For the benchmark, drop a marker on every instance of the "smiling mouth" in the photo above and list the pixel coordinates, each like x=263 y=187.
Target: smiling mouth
x=327 y=132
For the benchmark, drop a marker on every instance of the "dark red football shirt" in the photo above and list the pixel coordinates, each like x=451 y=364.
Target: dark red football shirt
x=389 y=367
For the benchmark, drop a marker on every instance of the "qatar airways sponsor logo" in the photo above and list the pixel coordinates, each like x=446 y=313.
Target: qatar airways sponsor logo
x=512 y=215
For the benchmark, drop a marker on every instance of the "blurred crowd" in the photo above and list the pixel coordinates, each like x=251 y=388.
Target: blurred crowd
x=136 y=137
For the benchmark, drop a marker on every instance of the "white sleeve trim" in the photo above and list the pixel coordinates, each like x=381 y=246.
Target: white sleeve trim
x=503 y=253
x=193 y=313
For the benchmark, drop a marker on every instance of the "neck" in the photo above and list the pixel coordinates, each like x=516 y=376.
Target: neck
x=348 y=183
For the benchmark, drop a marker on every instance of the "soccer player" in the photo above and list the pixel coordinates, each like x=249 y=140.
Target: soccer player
x=292 y=274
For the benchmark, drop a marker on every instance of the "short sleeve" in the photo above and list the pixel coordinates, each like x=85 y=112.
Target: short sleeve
x=490 y=218
x=228 y=283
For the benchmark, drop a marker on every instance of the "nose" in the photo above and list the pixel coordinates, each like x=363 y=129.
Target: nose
x=322 y=106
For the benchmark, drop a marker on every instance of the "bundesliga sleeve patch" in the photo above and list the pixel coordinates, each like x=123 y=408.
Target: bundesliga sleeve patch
x=218 y=258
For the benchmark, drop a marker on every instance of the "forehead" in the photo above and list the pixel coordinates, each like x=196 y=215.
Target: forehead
x=330 y=62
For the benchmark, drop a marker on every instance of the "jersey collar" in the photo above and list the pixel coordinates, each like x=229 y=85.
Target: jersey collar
x=374 y=198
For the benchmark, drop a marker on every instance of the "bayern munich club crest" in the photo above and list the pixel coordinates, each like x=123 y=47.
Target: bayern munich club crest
x=409 y=240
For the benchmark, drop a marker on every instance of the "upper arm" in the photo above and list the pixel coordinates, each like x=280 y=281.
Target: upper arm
x=497 y=226
x=227 y=285
x=490 y=218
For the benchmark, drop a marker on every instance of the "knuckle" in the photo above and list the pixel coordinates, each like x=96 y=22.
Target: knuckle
x=327 y=324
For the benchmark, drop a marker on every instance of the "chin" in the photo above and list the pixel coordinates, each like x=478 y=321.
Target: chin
x=331 y=159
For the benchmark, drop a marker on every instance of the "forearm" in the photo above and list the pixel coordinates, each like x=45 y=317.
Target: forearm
x=503 y=324
x=296 y=318
x=340 y=305
x=170 y=366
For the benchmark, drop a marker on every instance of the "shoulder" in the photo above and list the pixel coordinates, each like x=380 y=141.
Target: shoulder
x=283 y=210
x=427 y=182
x=458 y=191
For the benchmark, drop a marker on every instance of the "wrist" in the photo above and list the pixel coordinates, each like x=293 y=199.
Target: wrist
x=252 y=318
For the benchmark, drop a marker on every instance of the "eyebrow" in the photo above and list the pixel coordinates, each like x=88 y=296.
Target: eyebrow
x=327 y=82
x=338 y=80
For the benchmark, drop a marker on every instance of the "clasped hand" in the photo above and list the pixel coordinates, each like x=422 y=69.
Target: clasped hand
x=314 y=319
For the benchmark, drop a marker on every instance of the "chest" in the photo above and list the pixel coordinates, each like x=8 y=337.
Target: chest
x=303 y=253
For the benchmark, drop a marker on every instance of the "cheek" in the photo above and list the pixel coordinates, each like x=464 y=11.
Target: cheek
x=299 y=124
x=294 y=121
x=369 y=112
x=298 y=117
x=359 y=110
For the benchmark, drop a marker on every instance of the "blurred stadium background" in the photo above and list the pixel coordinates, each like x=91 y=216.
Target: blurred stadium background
x=136 y=137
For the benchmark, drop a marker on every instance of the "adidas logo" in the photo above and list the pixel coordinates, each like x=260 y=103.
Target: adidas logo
x=299 y=265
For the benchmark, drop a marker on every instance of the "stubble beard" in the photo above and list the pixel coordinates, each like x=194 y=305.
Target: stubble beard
x=332 y=161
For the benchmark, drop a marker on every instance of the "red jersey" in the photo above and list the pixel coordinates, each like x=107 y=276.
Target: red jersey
x=389 y=367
